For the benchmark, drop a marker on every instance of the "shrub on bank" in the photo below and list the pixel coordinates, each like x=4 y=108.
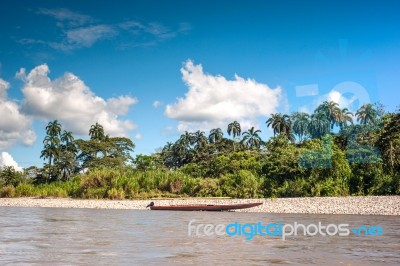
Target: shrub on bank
x=7 y=192
x=25 y=190
x=129 y=183
x=116 y=194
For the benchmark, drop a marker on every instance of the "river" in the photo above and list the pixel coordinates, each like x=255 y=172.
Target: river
x=60 y=236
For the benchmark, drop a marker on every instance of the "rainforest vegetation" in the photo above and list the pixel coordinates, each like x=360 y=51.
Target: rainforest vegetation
x=331 y=152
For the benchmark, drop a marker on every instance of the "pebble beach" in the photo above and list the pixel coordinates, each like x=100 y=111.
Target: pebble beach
x=362 y=205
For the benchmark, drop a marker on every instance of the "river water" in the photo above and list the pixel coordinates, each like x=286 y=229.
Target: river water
x=58 y=236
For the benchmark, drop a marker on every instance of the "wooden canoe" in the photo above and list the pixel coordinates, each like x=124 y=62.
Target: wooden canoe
x=205 y=207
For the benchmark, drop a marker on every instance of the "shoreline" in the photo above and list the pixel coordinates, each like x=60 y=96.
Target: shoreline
x=361 y=205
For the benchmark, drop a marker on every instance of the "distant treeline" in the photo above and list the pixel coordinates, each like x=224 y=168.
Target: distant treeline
x=322 y=154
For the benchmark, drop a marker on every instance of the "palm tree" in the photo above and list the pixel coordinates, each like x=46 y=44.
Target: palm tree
x=216 y=135
x=367 y=114
x=96 y=132
x=251 y=139
x=389 y=141
x=51 y=149
x=199 y=139
x=279 y=123
x=53 y=128
x=345 y=116
x=319 y=125
x=168 y=147
x=67 y=137
x=186 y=139
x=234 y=128
x=331 y=111
x=300 y=124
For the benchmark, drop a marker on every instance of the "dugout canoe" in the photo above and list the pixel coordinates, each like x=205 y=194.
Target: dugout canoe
x=204 y=207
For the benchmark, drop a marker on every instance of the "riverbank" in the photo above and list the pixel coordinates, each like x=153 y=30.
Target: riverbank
x=365 y=205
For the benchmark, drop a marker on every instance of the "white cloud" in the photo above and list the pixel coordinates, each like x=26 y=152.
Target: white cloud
x=4 y=86
x=70 y=101
x=157 y=104
x=14 y=126
x=336 y=97
x=138 y=136
x=7 y=160
x=79 y=31
x=65 y=15
x=87 y=36
x=213 y=101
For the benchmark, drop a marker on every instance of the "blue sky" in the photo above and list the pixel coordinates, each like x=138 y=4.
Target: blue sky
x=152 y=69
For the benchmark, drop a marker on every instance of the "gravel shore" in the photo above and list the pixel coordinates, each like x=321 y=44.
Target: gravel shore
x=369 y=205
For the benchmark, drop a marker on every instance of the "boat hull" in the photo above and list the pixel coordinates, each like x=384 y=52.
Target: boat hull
x=205 y=207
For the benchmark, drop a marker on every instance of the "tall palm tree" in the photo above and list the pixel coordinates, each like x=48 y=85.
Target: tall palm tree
x=319 y=125
x=199 y=139
x=67 y=137
x=234 y=128
x=331 y=111
x=389 y=141
x=251 y=139
x=280 y=123
x=96 y=132
x=51 y=149
x=300 y=124
x=53 y=128
x=168 y=147
x=367 y=114
x=345 y=116
x=186 y=139
x=216 y=135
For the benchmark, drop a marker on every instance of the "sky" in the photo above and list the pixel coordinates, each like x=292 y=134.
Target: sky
x=150 y=70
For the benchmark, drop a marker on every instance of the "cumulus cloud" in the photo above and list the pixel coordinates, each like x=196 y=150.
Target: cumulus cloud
x=70 y=101
x=213 y=101
x=14 y=126
x=7 y=160
x=138 y=136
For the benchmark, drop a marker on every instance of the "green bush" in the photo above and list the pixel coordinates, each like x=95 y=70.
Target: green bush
x=190 y=185
x=330 y=187
x=51 y=190
x=132 y=188
x=243 y=184
x=10 y=177
x=294 y=188
x=7 y=192
x=382 y=185
x=25 y=190
x=193 y=170
x=209 y=187
x=116 y=194
x=95 y=193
